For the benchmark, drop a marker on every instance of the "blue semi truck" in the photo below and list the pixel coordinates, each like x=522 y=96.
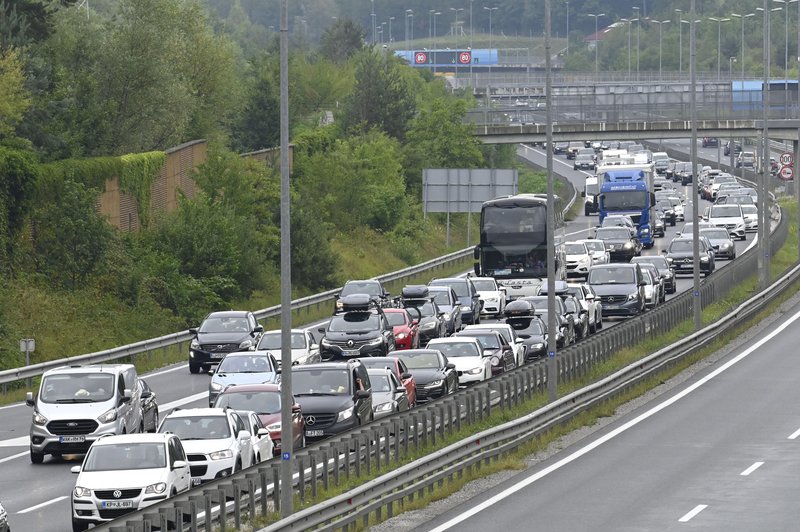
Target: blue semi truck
x=627 y=189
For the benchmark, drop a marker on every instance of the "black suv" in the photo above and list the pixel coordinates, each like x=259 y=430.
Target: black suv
x=359 y=329
x=371 y=287
x=422 y=306
x=737 y=148
x=467 y=295
x=333 y=396
x=221 y=333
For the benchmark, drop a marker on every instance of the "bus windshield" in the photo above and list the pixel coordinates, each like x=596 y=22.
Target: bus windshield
x=624 y=200
x=512 y=224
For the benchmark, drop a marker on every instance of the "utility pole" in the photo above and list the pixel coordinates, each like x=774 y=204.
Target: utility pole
x=697 y=300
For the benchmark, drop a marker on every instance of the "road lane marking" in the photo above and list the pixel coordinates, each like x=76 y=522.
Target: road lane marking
x=42 y=505
x=614 y=433
x=181 y=402
x=21 y=441
x=697 y=509
x=794 y=434
x=13 y=457
x=750 y=469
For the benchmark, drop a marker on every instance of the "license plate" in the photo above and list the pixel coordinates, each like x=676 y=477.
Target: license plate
x=116 y=504
x=217 y=355
x=313 y=433
x=196 y=481
x=351 y=352
x=72 y=439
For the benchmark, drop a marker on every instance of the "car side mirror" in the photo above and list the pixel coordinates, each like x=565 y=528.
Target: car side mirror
x=29 y=399
x=405 y=375
x=211 y=372
x=193 y=331
x=296 y=409
x=519 y=341
x=126 y=396
x=400 y=389
x=642 y=283
x=664 y=251
x=321 y=330
x=75 y=469
x=450 y=365
x=262 y=432
x=147 y=394
x=258 y=329
x=362 y=394
x=244 y=435
x=179 y=464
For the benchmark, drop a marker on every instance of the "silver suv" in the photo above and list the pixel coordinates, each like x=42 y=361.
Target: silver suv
x=77 y=405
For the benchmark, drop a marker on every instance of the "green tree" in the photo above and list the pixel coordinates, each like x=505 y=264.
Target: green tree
x=19 y=173
x=14 y=99
x=258 y=124
x=342 y=40
x=70 y=239
x=381 y=97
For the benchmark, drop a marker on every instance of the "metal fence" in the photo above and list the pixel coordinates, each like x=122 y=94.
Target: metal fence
x=390 y=442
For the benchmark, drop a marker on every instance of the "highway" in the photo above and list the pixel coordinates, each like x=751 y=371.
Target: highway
x=37 y=496
x=718 y=452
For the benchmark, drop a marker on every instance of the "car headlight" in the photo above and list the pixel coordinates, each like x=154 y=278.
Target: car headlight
x=221 y=455
x=247 y=344
x=401 y=336
x=434 y=384
x=628 y=245
x=39 y=419
x=376 y=341
x=492 y=299
x=108 y=417
x=645 y=230
x=633 y=296
x=475 y=371
x=325 y=341
x=274 y=427
x=669 y=260
x=537 y=347
x=215 y=386
x=428 y=325
x=446 y=316
x=82 y=492
x=345 y=414
x=727 y=245
x=704 y=258
x=465 y=308
x=158 y=488
x=495 y=361
x=384 y=407
x=195 y=344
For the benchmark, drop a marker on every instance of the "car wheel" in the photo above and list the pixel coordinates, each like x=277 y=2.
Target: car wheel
x=37 y=458
x=194 y=368
x=238 y=466
x=586 y=211
x=302 y=440
x=155 y=420
x=79 y=525
x=141 y=427
x=256 y=459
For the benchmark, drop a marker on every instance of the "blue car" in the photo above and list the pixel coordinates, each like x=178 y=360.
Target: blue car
x=246 y=367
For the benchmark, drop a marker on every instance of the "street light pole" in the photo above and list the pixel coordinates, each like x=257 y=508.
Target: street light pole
x=629 y=21
x=567 y=52
x=731 y=61
x=696 y=300
x=638 y=32
x=490 y=9
x=596 y=39
x=660 y=27
x=680 y=42
x=391 y=39
x=372 y=19
x=743 y=17
x=719 y=22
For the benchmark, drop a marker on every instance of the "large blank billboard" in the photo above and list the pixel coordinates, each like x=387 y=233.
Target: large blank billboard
x=465 y=189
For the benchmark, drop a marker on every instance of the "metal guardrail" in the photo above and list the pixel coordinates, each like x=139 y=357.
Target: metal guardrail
x=388 y=442
x=163 y=342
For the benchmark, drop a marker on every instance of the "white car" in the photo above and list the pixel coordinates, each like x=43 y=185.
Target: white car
x=600 y=254
x=125 y=473
x=590 y=303
x=517 y=343
x=652 y=290
x=729 y=216
x=304 y=349
x=467 y=355
x=4 y=526
x=492 y=295
x=579 y=259
x=750 y=214
x=263 y=445
x=216 y=440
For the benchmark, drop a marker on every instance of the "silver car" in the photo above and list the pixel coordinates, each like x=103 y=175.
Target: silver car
x=388 y=394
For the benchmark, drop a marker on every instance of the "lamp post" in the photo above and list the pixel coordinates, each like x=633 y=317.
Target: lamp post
x=731 y=61
x=391 y=39
x=743 y=17
x=719 y=22
x=638 y=32
x=455 y=27
x=680 y=42
x=567 y=51
x=372 y=19
x=629 y=21
x=409 y=13
x=490 y=9
x=596 y=38
x=680 y=39
x=660 y=27
x=786 y=47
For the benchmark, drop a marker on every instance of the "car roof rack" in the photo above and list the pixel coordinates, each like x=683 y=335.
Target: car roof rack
x=357 y=303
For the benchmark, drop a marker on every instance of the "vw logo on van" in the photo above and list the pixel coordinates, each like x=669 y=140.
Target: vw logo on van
x=117 y=494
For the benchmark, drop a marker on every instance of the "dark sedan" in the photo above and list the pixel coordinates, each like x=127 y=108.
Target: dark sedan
x=149 y=406
x=663 y=268
x=219 y=334
x=621 y=246
x=680 y=255
x=435 y=376
x=533 y=332
x=431 y=322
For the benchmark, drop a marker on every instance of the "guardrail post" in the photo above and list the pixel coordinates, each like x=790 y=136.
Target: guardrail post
x=387 y=443
x=166 y=513
x=223 y=506
x=154 y=519
x=357 y=450
x=378 y=447
x=368 y=453
x=237 y=505
x=396 y=434
x=276 y=486
x=457 y=406
x=301 y=477
x=488 y=393
x=252 y=483
x=336 y=451
x=424 y=427
x=196 y=502
x=312 y=465
x=135 y=526
x=325 y=465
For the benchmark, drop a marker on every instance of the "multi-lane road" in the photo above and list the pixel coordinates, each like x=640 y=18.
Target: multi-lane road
x=37 y=496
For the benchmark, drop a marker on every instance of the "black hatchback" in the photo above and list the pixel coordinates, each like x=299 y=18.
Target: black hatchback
x=221 y=333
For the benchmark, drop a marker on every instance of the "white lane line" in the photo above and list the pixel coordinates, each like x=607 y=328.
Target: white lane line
x=614 y=433
x=45 y=503
x=22 y=441
x=697 y=509
x=750 y=469
x=794 y=435
x=181 y=402
x=13 y=457
x=163 y=371
x=11 y=406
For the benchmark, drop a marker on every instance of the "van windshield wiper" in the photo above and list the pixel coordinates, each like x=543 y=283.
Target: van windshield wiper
x=75 y=400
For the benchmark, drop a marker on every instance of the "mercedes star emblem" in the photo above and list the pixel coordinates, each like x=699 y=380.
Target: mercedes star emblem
x=310 y=420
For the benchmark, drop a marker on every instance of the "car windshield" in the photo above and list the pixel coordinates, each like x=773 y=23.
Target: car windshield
x=749 y=209
x=442 y=297
x=595 y=245
x=613 y=233
x=611 y=276
x=354 y=322
x=361 y=287
x=262 y=402
x=125 y=456
x=571 y=305
x=525 y=327
x=725 y=211
x=716 y=234
x=320 y=381
x=197 y=427
x=459 y=287
x=613 y=221
x=272 y=340
x=380 y=382
x=422 y=360
x=245 y=364
x=488 y=341
x=485 y=285
x=396 y=319
x=575 y=249
x=681 y=246
x=658 y=262
x=457 y=349
x=224 y=324
x=77 y=388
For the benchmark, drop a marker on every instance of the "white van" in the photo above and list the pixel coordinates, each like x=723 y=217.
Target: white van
x=77 y=405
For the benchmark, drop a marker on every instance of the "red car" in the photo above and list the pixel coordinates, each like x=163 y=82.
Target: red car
x=399 y=368
x=265 y=400
x=406 y=328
